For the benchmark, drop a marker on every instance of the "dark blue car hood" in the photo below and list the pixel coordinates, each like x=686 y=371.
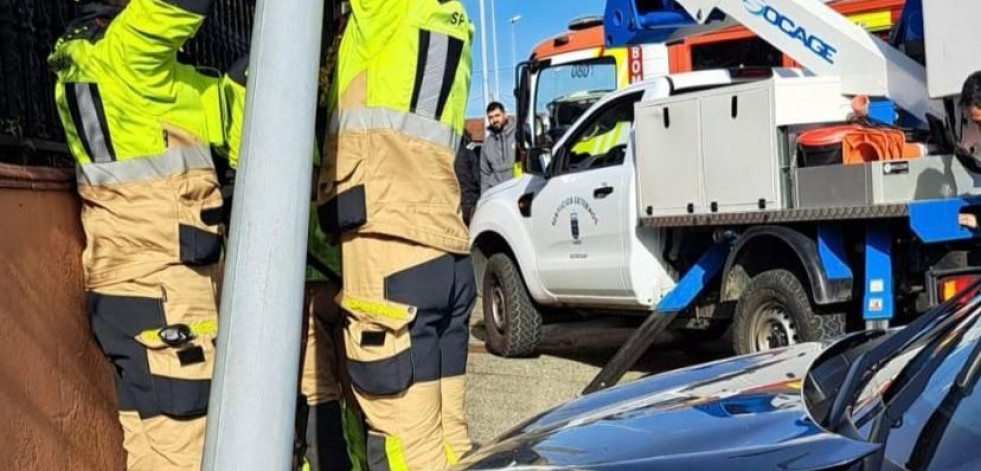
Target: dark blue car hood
x=744 y=413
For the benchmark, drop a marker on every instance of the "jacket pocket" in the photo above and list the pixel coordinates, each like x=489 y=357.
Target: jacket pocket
x=199 y=217
x=347 y=209
x=344 y=213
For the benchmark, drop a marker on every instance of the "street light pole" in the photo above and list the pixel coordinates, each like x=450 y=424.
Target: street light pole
x=514 y=58
x=497 y=67
x=253 y=393
x=483 y=55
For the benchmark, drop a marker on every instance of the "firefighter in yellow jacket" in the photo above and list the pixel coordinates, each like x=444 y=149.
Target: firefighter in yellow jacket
x=142 y=127
x=389 y=191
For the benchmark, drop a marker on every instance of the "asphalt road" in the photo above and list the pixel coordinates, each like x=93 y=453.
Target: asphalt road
x=502 y=392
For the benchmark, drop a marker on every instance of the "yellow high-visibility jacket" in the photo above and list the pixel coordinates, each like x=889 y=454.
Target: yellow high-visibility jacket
x=141 y=127
x=399 y=101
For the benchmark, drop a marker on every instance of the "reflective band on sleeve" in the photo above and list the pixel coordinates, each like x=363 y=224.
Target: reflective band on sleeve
x=453 y=56
x=369 y=119
x=85 y=105
x=434 y=69
x=376 y=308
x=174 y=161
x=423 y=51
x=439 y=57
x=208 y=328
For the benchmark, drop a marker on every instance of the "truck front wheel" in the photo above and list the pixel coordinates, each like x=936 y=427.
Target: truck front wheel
x=513 y=323
x=775 y=312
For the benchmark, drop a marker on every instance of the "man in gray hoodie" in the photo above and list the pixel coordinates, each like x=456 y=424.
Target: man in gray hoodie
x=497 y=153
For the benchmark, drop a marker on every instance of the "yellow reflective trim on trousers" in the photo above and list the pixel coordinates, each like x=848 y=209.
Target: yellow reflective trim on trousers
x=376 y=308
x=372 y=119
x=451 y=457
x=174 y=161
x=394 y=454
x=199 y=328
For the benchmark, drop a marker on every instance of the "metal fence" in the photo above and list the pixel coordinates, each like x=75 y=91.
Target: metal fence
x=30 y=131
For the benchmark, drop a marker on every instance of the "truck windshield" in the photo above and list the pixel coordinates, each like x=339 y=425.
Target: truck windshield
x=564 y=92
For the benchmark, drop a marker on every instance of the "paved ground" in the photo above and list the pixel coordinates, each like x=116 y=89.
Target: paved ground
x=502 y=392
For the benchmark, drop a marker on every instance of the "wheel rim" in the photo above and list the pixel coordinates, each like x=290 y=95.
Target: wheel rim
x=775 y=327
x=498 y=305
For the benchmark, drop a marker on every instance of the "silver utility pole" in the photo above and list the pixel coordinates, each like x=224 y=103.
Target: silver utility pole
x=497 y=67
x=514 y=58
x=253 y=394
x=483 y=56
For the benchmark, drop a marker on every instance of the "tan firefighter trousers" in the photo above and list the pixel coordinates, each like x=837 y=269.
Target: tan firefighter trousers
x=162 y=387
x=408 y=308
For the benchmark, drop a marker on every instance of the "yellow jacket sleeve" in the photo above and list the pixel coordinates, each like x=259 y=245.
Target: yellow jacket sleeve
x=234 y=97
x=144 y=38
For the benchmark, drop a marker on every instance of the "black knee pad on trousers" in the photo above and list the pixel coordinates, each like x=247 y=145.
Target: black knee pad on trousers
x=443 y=295
x=442 y=292
x=116 y=321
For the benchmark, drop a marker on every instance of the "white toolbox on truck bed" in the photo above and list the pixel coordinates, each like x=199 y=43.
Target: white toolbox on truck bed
x=719 y=151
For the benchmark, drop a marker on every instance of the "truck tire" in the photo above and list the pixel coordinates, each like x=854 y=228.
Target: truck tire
x=775 y=311
x=513 y=323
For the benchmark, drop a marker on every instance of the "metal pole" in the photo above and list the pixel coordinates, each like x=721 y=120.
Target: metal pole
x=483 y=56
x=253 y=394
x=497 y=67
x=514 y=59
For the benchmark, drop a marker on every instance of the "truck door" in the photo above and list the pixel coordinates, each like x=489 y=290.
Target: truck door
x=578 y=215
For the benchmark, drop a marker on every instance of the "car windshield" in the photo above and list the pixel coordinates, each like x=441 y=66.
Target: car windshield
x=564 y=92
x=919 y=399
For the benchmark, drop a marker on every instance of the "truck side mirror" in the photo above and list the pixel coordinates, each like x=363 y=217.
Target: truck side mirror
x=538 y=160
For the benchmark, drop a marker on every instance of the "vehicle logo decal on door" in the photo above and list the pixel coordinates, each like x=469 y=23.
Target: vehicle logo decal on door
x=579 y=212
x=574 y=201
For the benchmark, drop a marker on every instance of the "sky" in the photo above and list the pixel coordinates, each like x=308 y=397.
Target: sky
x=540 y=19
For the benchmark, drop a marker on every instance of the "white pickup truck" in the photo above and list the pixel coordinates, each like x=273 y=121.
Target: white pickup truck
x=618 y=216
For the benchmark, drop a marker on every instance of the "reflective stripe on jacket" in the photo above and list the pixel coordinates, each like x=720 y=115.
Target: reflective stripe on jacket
x=398 y=101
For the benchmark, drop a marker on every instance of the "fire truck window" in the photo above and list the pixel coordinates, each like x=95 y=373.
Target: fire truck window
x=742 y=53
x=565 y=92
